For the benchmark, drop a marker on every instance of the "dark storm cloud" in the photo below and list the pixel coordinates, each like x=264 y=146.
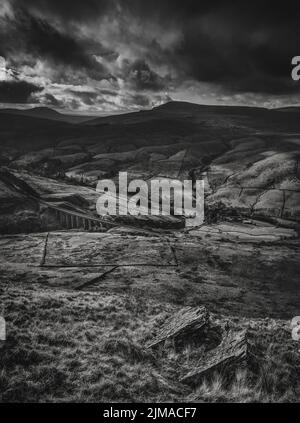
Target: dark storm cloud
x=69 y=10
x=243 y=46
x=36 y=37
x=17 y=91
x=144 y=78
x=242 y=51
x=151 y=47
x=50 y=100
x=47 y=41
x=139 y=100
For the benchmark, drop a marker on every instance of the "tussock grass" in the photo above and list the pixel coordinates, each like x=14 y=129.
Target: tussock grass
x=64 y=346
x=79 y=347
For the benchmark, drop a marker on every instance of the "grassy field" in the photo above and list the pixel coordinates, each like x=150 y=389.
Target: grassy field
x=63 y=346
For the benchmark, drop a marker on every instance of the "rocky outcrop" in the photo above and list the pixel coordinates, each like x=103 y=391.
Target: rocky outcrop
x=233 y=352
x=188 y=322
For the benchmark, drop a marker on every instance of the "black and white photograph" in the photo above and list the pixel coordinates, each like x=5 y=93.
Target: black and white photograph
x=149 y=204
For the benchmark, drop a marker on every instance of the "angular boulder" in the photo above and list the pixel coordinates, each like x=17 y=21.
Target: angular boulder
x=187 y=322
x=232 y=353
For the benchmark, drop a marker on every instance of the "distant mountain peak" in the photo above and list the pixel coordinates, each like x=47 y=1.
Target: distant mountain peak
x=43 y=109
x=177 y=105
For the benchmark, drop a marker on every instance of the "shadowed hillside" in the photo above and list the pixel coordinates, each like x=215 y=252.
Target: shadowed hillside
x=247 y=156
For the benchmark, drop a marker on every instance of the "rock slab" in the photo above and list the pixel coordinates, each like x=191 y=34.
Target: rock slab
x=186 y=322
x=231 y=353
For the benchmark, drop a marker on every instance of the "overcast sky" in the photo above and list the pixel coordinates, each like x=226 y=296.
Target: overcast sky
x=116 y=55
